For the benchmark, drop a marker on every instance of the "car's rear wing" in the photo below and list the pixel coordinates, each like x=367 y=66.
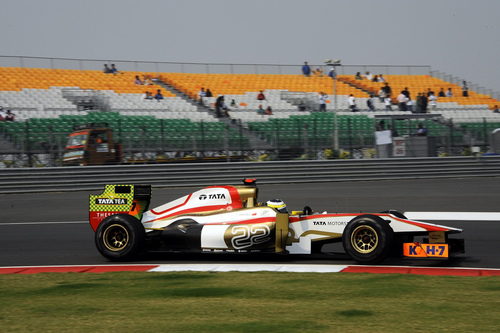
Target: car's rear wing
x=119 y=199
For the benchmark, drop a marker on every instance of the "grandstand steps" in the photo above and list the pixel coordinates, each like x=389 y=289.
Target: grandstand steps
x=352 y=84
x=254 y=140
x=182 y=95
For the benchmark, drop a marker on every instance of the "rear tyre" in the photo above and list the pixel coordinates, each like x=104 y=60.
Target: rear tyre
x=367 y=239
x=120 y=237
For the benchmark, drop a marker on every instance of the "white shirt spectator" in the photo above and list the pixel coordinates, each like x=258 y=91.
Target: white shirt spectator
x=402 y=98
x=432 y=100
x=323 y=99
x=351 y=101
x=202 y=94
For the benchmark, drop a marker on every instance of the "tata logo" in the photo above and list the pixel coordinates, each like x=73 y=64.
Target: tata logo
x=111 y=201
x=319 y=223
x=212 y=196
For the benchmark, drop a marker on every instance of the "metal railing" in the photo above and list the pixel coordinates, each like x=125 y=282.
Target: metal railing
x=471 y=86
x=191 y=67
x=297 y=139
x=24 y=180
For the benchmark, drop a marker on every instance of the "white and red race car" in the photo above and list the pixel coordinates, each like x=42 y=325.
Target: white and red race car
x=230 y=219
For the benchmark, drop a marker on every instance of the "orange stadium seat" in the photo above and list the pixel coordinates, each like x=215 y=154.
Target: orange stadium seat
x=420 y=84
x=225 y=84
x=15 y=79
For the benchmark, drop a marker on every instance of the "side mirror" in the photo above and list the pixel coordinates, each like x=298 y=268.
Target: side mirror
x=307 y=210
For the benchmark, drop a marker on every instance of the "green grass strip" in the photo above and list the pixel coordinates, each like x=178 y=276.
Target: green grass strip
x=247 y=302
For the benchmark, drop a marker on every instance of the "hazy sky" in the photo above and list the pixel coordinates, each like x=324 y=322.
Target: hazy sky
x=460 y=37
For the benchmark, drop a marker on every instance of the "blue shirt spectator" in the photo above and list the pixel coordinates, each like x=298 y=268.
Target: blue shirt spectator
x=158 y=95
x=306 y=70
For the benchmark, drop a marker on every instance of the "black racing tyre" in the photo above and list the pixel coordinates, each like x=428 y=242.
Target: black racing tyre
x=368 y=239
x=120 y=237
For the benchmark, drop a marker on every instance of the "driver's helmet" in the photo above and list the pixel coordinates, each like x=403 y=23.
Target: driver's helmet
x=277 y=204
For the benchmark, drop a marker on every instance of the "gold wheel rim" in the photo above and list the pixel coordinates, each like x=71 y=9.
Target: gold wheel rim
x=115 y=237
x=364 y=239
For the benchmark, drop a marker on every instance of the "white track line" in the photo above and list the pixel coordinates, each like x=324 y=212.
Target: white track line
x=249 y=268
x=454 y=216
x=42 y=223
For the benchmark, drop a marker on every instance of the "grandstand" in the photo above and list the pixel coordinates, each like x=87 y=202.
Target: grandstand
x=49 y=102
x=48 y=93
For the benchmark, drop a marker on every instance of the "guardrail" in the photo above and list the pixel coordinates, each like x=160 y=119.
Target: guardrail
x=192 y=67
x=24 y=180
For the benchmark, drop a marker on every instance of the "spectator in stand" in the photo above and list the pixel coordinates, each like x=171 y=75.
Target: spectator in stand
x=351 y=101
x=9 y=116
x=402 y=99
x=209 y=93
x=106 y=69
x=147 y=95
x=318 y=72
x=409 y=105
x=441 y=93
x=381 y=95
x=449 y=93
x=306 y=70
x=495 y=109
x=387 y=89
x=332 y=73
x=422 y=103
x=269 y=111
x=421 y=130
x=159 y=95
x=220 y=107
x=147 y=80
x=425 y=102
x=370 y=104
x=429 y=92
x=375 y=78
x=138 y=80
x=369 y=76
x=388 y=103
x=2 y=114
x=322 y=101
x=261 y=110
x=465 y=89
x=381 y=78
x=202 y=94
x=358 y=76
x=432 y=100
x=113 y=69
x=261 y=96
x=233 y=104
x=406 y=92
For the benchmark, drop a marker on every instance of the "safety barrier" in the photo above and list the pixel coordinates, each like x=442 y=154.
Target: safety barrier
x=23 y=180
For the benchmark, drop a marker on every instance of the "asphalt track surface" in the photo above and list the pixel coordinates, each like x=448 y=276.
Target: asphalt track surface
x=50 y=228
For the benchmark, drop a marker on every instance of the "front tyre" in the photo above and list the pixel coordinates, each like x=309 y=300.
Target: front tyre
x=367 y=239
x=120 y=237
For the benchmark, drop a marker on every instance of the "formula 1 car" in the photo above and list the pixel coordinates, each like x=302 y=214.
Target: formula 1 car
x=230 y=219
